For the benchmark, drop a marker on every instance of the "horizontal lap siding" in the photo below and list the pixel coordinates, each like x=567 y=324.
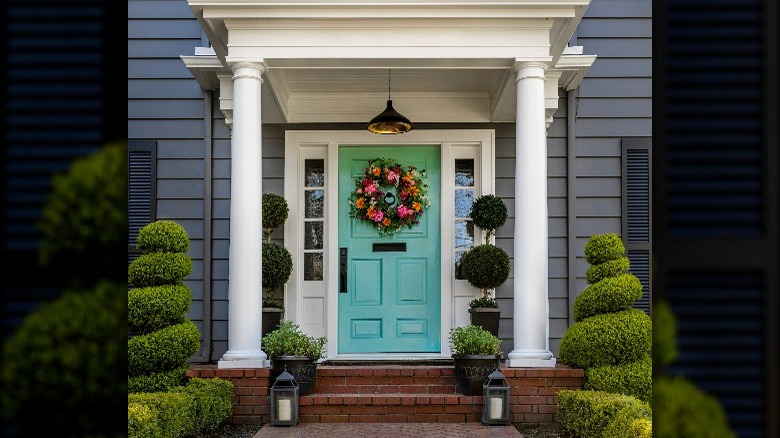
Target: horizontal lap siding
x=165 y=104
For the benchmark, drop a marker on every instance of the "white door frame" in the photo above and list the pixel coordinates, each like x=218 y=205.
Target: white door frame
x=314 y=305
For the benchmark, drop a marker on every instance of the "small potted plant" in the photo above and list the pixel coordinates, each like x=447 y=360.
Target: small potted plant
x=277 y=261
x=294 y=351
x=476 y=353
x=486 y=266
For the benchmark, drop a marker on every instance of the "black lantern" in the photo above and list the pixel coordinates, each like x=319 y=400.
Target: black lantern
x=284 y=400
x=496 y=394
x=389 y=121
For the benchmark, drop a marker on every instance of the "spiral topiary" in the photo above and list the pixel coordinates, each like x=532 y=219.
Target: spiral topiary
x=611 y=294
x=163 y=338
x=603 y=248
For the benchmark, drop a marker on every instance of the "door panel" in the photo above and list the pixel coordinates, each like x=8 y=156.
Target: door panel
x=393 y=298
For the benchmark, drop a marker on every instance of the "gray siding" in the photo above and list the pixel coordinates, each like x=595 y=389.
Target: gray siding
x=613 y=102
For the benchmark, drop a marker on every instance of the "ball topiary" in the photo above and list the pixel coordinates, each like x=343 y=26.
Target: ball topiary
x=611 y=294
x=163 y=349
x=67 y=360
x=486 y=267
x=277 y=268
x=611 y=268
x=608 y=339
x=158 y=268
x=489 y=213
x=680 y=409
x=163 y=236
x=603 y=248
x=275 y=211
x=633 y=378
x=152 y=308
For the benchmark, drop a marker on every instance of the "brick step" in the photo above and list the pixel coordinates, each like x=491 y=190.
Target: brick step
x=385 y=380
x=400 y=408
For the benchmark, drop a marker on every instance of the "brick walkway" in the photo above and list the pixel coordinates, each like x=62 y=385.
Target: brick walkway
x=394 y=430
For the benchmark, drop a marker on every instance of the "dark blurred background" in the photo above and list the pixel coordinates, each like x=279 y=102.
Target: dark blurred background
x=715 y=172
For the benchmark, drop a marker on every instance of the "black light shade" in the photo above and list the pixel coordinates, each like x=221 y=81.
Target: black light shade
x=389 y=121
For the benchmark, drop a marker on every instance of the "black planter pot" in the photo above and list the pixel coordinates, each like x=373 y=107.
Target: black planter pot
x=302 y=368
x=271 y=319
x=471 y=371
x=486 y=318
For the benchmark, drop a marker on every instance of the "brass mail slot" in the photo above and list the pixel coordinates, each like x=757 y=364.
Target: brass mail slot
x=389 y=247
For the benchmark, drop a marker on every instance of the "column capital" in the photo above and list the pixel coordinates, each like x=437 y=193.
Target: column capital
x=520 y=66
x=247 y=69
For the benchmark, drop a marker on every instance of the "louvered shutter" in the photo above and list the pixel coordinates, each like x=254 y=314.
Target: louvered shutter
x=142 y=159
x=637 y=213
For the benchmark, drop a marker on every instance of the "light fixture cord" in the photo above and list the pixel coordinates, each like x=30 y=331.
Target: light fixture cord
x=389 y=81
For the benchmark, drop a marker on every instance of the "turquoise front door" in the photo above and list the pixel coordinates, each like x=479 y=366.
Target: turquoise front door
x=389 y=294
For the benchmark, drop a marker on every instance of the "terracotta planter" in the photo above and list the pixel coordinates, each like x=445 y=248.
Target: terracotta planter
x=302 y=368
x=487 y=318
x=472 y=370
x=271 y=318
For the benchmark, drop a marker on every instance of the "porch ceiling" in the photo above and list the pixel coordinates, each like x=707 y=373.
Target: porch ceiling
x=450 y=61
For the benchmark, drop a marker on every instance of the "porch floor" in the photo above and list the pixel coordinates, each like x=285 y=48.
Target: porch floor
x=394 y=430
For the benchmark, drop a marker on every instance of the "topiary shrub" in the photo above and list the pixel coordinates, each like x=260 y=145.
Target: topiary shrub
x=486 y=267
x=213 y=402
x=163 y=236
x=609 y=295
x=608 y=339
x=683 y=410
x=174 y=413
x=142 y=421
x=66 y=359
x=587 y=414
x=155 y=307
x=602 y=248
x=633 y=378
x=489 y=213
x=159 y=268
x=610 y=268
x=162 y=349
x=275 y=211
x=630 y=422
x=157 y=382
x=664 y=340
x=277 y=268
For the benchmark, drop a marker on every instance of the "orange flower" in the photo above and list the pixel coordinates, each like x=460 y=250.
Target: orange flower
x=414 y=190
x=416 y=206
x=386 y=222
x=408 y=177
x=370 y=213
x=360 y=203
x=376 y=171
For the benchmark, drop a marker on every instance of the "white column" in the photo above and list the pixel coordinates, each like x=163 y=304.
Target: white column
x=531 y=312
x=245 y=278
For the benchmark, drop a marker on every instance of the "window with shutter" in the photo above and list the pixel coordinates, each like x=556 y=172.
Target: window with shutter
x=637 y=213
x=142 y=160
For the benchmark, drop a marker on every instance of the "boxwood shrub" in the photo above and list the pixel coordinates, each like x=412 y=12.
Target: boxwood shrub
x=486 y=267
x=608 y=339
x=665 y=339
x=152 y=308
x=683 y=410
x=633 y=378
x=142 y=421
x=157 y=382
x=173 y=413
x=632 y=421
x=163 y=236
x=489 y=213
x=274 y=212
x=158 y=268
x=162 y=350
x=588 y=413
x=610 y=268
x=611 y=294
x=602 y=248
x=213 y=401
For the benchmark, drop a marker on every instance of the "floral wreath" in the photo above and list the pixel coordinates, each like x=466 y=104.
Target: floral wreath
x=373 y=203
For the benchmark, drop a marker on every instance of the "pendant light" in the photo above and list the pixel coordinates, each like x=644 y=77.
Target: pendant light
x=389 y=121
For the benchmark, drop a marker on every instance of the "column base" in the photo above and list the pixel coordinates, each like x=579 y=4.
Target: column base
x=530 y=359
x=243 y=359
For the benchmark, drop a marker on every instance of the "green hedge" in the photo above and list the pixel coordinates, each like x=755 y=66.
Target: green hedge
x=603 y=248
x=632 y=421
x=610 y=268
x=164 y=349
x=158 y=382
x=173 y=414
x=608 y=339
x=152 y=308
x=163 y=236
x=158 y=268
x=213 y=401
x=634 y=379
x=611 y=294
x=683 y=410
x=142 y=421
x=588 y=413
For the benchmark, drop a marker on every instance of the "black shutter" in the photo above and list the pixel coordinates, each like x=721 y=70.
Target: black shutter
x=637 y=213
x=142 y=183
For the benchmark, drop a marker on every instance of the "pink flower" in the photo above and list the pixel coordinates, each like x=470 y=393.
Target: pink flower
x=370 y=189
x=392 y=176
x=403 y=210
x=378 y=216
